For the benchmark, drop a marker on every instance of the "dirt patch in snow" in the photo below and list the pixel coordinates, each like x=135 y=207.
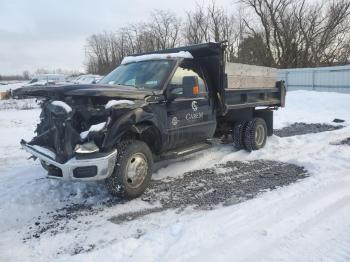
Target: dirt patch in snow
x=345 y=141
x=226 y=184
x=304 y=128
x=205 y=189
x=59 y=219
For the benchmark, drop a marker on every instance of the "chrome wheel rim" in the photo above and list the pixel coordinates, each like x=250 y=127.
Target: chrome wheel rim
x=259 y=135
x=136 y=170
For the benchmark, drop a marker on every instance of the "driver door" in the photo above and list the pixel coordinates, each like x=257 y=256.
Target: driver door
x=191 y=116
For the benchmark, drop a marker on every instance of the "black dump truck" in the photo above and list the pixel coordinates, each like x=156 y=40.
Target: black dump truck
x=153 y=107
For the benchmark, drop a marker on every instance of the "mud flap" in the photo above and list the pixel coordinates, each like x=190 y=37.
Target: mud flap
x=267 y=115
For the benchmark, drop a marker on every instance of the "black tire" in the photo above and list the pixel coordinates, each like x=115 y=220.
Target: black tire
x=119 y=184
x=238 y=134
x=255 y=134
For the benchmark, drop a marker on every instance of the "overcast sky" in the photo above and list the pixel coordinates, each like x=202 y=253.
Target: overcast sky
x=51 y=33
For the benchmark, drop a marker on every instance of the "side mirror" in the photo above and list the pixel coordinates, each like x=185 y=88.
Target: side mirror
x=190 y=86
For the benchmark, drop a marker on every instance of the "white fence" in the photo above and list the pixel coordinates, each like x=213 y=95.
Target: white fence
x=330 y=79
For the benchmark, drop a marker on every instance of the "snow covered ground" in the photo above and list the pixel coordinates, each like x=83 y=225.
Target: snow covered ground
x=305 y=221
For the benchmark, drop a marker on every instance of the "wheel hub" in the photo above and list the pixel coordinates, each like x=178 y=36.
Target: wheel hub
x=259 y=135
x=136 y=170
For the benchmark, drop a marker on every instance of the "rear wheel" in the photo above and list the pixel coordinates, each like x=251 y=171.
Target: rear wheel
x=255 y=134
x=133 y=169
x=238 y=134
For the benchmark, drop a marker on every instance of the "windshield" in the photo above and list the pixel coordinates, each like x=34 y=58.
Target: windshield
x=142 y=75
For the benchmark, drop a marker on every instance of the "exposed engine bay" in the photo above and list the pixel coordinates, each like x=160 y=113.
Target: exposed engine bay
x=77 y=125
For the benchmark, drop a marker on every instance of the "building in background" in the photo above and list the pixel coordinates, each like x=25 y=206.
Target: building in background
x=330 y=79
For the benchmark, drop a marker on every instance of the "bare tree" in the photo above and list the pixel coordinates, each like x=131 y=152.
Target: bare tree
x=282 y=33
x=105 y=51
x=26 y=75
x=298 y=34
x=196 y=28
x=326 y=37
x=165 y=28
x=213 y=23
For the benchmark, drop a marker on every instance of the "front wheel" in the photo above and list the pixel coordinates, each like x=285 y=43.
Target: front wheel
x=133 y=169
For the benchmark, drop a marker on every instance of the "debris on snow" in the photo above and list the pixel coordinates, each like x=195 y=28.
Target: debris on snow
x=345 y=141
x=304 y=128
x=337 y=120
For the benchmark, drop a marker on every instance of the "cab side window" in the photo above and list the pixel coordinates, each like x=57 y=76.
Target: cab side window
x=181 y=83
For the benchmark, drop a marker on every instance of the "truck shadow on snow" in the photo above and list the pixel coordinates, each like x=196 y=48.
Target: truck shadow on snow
x=204 y=189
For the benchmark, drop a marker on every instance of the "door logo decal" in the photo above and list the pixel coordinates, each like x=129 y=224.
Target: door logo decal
x=174 y=121
x=194 y=106
x=195 y=115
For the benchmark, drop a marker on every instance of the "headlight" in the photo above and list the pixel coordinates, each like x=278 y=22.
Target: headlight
x=86 y=148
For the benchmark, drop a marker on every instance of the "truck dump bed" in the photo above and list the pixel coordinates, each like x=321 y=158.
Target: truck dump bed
x=252 y=86
x=242 y=76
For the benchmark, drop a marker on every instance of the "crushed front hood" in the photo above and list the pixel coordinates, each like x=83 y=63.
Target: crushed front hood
x=57 y=91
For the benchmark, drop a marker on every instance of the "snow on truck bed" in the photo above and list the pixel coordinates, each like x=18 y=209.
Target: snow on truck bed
x=305 y=221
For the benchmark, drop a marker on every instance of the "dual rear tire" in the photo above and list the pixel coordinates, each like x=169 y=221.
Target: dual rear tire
x=250 y=135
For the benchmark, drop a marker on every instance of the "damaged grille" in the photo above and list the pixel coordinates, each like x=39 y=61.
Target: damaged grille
x=60 y=130
x=55 y=132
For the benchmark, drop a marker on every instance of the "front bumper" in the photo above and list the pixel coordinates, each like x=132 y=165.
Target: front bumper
x=88 y=167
